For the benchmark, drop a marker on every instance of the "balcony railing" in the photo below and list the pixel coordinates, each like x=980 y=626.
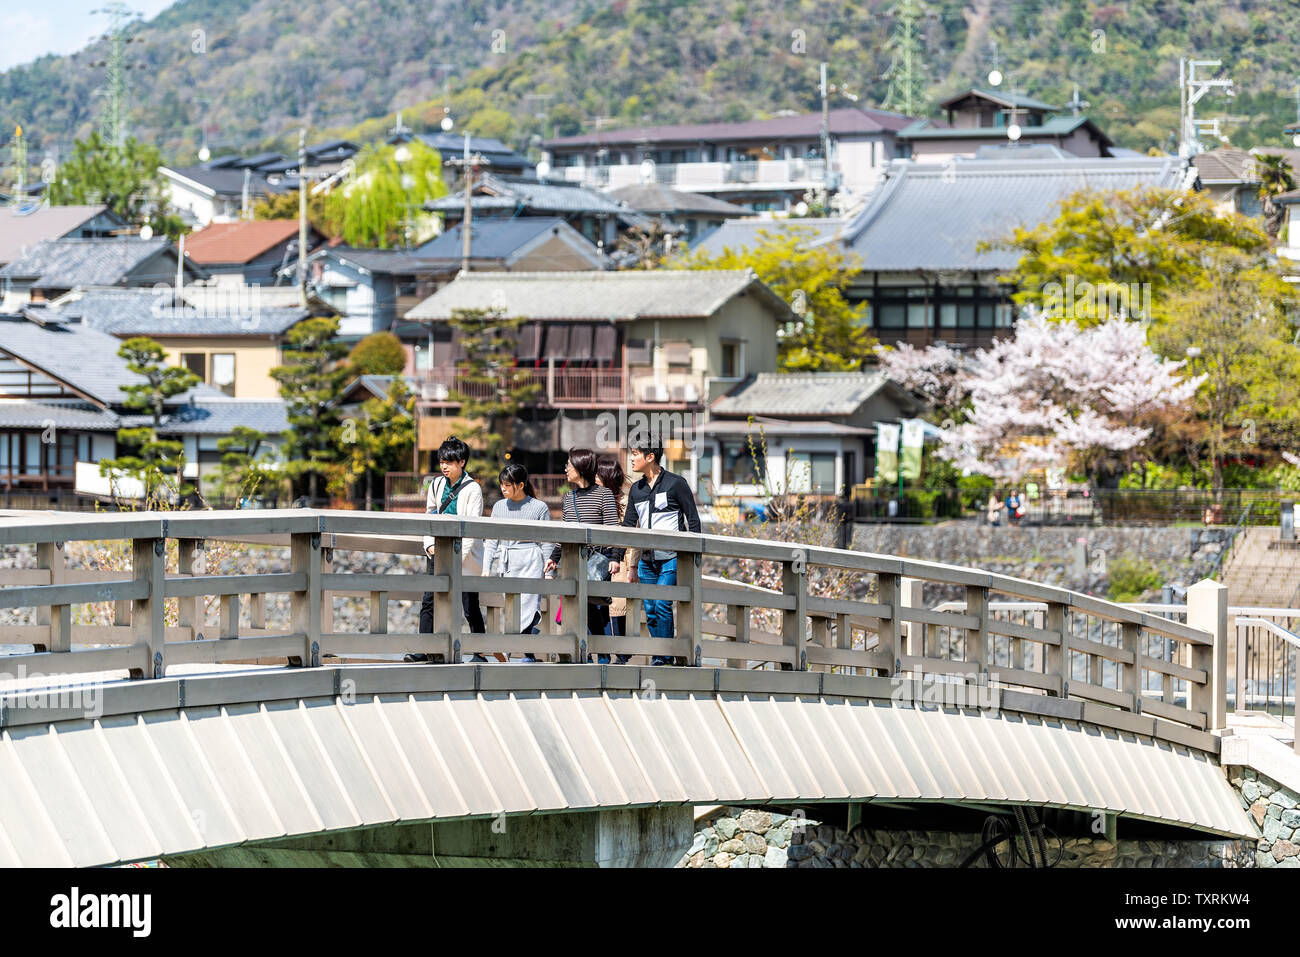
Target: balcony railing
x=707 y=176
x=582 y=388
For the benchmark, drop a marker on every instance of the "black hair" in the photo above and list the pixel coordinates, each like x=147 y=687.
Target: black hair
x=610 y=471
x=648 y=449
x=516 y=474
x=584 y=463
x=453 y=450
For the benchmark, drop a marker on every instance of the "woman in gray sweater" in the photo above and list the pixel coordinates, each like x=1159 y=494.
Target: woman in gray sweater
x=513 y=558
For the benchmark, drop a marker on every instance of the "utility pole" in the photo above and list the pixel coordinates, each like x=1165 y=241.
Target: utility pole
x=1191 y=89
x=469 y=167
x=302 y=217
x=826 y=126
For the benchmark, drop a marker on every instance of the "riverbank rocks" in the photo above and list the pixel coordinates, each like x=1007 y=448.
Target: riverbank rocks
x=1274 y=809
x=724 y=840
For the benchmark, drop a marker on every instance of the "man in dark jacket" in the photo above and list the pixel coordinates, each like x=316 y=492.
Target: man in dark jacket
x=663 y=501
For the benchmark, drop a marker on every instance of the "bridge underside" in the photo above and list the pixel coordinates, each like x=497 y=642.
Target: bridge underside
x=176 y=766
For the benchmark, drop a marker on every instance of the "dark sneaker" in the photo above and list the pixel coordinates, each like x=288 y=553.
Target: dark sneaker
x=661 y=660
x=416 y=658
x=531 y=660
x=478 y=658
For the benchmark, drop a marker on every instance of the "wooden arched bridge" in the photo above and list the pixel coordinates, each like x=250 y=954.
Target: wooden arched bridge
x=172 y=737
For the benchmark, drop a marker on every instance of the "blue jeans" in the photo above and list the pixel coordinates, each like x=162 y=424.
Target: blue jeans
x=658 y=611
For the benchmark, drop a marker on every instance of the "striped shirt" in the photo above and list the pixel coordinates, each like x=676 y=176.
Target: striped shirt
x=593 y=505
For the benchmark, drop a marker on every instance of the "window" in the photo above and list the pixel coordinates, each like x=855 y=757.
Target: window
x=739 y=466
x=704 y=483
x=196 y=362
x=892 y=315
x=812 y=472
x=733 y=362
x=223 y=372
x=918 y=315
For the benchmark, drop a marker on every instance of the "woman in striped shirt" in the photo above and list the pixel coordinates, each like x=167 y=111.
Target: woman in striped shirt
x=592 y=504
x=513 y=558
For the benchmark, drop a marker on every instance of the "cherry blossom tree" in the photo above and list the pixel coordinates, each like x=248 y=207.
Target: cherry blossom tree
x=1053 y=395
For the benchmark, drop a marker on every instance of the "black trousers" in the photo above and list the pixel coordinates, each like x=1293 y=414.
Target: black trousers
x=468 y=601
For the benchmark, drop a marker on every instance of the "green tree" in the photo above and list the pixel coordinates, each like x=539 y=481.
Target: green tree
x=1275 y=178
x=371 y=207
x=154 y=462
x=285 y=206
x=380 y=353
x=1151 y=240
x=831 y=334
x=126 y=180
x=1232 y=328
x=497 y=386
x=378 y=440
x=311 y=383
x=247 y=464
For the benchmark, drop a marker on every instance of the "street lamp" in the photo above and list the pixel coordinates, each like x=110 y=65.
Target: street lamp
x=402 y=155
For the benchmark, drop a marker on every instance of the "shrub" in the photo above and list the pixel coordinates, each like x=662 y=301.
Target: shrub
x=1131 y=577
x=380 y=353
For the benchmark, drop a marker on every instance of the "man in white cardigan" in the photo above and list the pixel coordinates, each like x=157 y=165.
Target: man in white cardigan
x=454 y=493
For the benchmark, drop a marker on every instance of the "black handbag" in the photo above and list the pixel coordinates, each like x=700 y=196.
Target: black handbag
x=598 y=571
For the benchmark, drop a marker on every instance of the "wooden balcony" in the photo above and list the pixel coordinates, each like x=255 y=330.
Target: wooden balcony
x=561 y=388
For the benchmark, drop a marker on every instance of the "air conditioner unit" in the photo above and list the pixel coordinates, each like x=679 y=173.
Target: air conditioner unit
x=433 y=392
x=692 y=392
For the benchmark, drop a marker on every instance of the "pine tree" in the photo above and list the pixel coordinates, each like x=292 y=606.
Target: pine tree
x=311 y=383
x=498 y=385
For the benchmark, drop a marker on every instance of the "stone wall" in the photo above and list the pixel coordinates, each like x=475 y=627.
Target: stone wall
x=1276 y=810
x=735 y=837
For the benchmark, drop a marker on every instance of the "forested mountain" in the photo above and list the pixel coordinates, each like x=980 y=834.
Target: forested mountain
x=252 y=70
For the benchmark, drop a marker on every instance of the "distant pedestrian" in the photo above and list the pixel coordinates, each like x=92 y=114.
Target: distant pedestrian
x=1015 y=508
x=994 y=509
x=662 y=501
x=514 y=558
x=454 y=492
x=609 y=473
x=592 y=504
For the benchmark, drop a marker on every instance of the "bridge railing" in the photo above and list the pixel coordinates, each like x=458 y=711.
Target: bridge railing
x=836 y=611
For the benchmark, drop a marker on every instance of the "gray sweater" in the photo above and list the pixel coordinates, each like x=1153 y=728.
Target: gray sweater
x=529 y=510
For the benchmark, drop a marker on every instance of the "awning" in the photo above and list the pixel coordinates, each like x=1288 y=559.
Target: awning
x=528 y=348
x=606 y=348
x=580 y=342
x=557 y=342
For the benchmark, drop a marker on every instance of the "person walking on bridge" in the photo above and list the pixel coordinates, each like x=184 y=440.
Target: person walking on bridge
x=454 y=492
x=513 y=558
x=659 y=500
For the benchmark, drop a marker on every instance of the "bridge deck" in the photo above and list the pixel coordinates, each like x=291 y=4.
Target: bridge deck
x=179 y=764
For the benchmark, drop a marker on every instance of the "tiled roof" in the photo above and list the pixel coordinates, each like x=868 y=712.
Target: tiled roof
x=218 y=415
x=801 y=393
x=149 y=312
x=65 y=263
x=238 y=242
x=598 y=296
x=22 y=414
x=499 y=239
x=494 y=151
x=85 y=358
x=1054 y=126
x=224 y=181
x=738 y=234
x=1020 y=101
x=20 y=231
x=1226 y=164
x=843 y=121
x=933 y=216
x=383 y=262
x=654 y=198
x=507 y=193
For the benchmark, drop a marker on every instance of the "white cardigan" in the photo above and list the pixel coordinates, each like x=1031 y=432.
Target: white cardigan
x=469 y=504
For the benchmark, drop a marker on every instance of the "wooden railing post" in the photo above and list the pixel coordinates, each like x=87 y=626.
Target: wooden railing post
x=794 y=627
x=688 y=621
x=573 y=566
x=447 y=609
x=50 y=556
x=148 y=556
x=1207 y=609
x=189 y=614
x=889 y=587
x=1058 y=656
x=305 y=605
x=738 y=615
x=1130 y=675
x=912 y=595
x=977 y=638
x=379 y=612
